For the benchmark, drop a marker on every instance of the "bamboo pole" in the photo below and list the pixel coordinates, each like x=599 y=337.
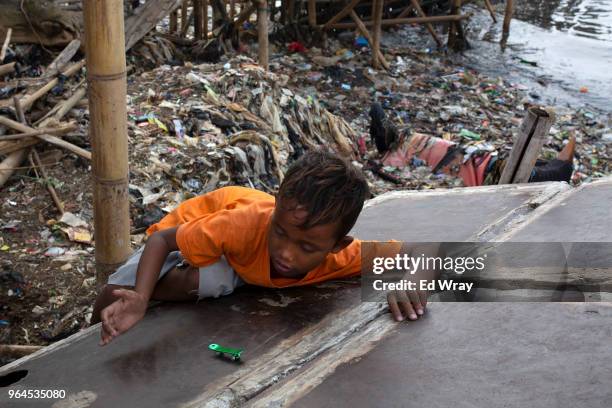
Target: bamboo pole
x=491 y=11
x=7 y=167
x=184 y=18
x=48 y=185
x=421 y=13
x=7 y=68
x=262 y=26
x=62 y=59
x=407 y=20
x=205 y=19
x=376 y=32
x=47 y=131
x=364 y=31
x=197 y=20
x=106 y=74
x=173 y=22
x=508 y=16
x=343 y=13
x=312 y=13
x=29 y=100
x=7 y=41
x=14 y=350
x=45 y=137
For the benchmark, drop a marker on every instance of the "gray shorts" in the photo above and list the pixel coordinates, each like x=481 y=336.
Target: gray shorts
x=218 y=279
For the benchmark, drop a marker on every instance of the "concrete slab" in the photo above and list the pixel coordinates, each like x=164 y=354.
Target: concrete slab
x=480 y=355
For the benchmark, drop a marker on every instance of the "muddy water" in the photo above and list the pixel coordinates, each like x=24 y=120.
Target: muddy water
x=560 y=50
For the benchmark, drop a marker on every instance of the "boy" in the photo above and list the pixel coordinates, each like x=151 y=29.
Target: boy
x=237 y=235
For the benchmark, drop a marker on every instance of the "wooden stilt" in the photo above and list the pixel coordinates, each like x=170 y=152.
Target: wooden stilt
x=343 y=13
x=197 y=20
x=173 y=22
x=106 y=75
x=364 y=31
x=312 y=13
x=508 y=16
x=204 y=19
x=262 y=27
x=456 y=39
x=491 y=11
x=376 y=32
x=421 y=13
x=184 y=17
x=530 y=139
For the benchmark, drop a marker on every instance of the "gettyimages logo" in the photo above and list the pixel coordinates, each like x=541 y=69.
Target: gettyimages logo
x=498 y=271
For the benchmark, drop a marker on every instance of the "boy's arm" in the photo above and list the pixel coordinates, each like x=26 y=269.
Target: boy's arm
x=124 y=313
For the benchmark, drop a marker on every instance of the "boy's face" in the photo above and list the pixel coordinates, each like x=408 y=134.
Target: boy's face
x=293 y=250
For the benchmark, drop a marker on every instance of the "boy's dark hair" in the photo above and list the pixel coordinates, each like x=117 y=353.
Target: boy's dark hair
x=329 y=187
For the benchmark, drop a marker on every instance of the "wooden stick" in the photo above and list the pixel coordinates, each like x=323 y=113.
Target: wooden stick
x=262 y=27
x=185 y=28
x=420 y=12
x=491 y=11
x=408 y=20
x=530 y=139
x=19 y=110
x=14 y=350
x=7 y=41
x=50 y=188
x=7 y=68
x=312 y=13
x=8 y=147
x=62 y=59
x=106 y=75
x=60 y=131
x=14 y=160
x=29 y=100
x=376 y=32
x=508 y=16
x=47 y=138
x=364 y=31
x=343 y=13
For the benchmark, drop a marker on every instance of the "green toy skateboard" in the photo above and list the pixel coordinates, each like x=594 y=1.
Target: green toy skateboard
x=232 y=352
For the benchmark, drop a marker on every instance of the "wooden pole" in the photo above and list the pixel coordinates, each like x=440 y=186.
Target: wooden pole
x=376 y=32
x=204 y=19
x=184 y=17
x=364 y=31
x=174 y=22
x=7 y=41
x=508 y=16
x=7 y=68
x=491 y=11
x=46 y=131
x=421 y=13
x=106 y=74
x=406 y=20
x=197 y=20
x=312 y=13
x=530 y=139
x=262 y=26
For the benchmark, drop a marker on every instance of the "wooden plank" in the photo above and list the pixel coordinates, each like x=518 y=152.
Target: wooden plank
x=531 y=138
x=376 y=32
x=146 y=17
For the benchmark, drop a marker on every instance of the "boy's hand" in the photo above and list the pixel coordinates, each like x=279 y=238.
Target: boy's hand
x=408 y=304
x=121 y=315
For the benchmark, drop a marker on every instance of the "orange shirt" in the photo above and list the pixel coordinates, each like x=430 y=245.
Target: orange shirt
x=233 y=221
